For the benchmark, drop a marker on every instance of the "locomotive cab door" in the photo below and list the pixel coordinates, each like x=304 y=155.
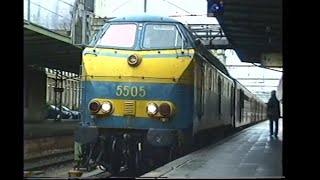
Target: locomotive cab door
x=200 y=91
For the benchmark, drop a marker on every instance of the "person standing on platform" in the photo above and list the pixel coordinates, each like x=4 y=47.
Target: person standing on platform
x=273 y=113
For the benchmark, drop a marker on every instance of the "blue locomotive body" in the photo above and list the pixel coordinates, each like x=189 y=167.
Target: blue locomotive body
x=148 y=85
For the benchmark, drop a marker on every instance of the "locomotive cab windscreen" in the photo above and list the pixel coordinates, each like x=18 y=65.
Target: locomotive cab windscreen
x=154 y=37
x=116 y=36
x=140 y=36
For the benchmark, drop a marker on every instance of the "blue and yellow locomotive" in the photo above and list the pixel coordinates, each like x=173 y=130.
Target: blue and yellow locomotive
x=150 y=90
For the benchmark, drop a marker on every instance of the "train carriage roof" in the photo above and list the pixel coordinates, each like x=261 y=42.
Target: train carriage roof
x=144 y=18
x=246 y=91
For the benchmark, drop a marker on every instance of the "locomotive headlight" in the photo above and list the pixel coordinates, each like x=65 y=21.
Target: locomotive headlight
x=134 y=60
x=106 y=107
x=94 y=106
x=165 y=109
x=152 y=109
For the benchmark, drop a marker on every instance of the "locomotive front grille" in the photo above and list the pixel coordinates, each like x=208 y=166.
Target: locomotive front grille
x=129 y=108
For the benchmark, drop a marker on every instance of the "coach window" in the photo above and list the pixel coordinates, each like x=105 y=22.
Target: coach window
x=161 y=36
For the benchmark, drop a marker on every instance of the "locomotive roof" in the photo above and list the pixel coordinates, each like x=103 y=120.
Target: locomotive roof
x=143 y=18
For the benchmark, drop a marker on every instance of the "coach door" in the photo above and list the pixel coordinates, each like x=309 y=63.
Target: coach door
x=240 y=105
x=232 y=104
x=219 y=96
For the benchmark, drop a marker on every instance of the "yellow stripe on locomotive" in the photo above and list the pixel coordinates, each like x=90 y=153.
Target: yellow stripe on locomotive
x=166 y=67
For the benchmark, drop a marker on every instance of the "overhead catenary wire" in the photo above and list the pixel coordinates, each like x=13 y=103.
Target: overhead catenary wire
x=182 y=15
x=66 y=3
x=177 y=6
x=120 y=6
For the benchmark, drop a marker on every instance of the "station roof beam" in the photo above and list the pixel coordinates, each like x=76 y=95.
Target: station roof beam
x=254 y=28
x=211 y=35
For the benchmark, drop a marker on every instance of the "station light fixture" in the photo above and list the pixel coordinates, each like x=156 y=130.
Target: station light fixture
x=215 y=7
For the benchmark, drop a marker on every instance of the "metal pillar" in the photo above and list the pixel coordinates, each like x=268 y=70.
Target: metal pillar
x=55 y=92
x=29 y=10
x=145 y=6
x=83 y=34
x=58 y=89
x=61 y=90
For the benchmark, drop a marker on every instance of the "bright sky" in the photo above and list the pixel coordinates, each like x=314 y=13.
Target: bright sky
x=115 y=8
x=160 y=7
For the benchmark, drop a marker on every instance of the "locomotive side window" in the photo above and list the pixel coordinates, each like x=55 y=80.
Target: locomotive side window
x=161 y=36
x=200 y=93
x=119 y=35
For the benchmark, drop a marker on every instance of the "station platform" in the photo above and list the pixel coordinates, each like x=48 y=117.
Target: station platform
x=249 y=153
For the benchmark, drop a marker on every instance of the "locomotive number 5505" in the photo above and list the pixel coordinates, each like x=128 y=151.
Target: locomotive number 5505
x=132 y=91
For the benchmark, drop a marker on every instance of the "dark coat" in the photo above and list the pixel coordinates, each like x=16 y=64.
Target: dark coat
x=273 y=108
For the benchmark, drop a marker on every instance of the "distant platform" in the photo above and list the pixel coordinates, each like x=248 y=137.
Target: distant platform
x=248 y=153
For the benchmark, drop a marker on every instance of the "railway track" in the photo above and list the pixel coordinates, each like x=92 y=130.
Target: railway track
x=45 y=161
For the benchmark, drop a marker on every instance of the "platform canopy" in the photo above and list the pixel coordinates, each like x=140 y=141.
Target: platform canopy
x=46 y=48
x=254 y=29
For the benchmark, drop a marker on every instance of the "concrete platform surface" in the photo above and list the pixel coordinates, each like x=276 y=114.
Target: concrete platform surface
x=248 y=153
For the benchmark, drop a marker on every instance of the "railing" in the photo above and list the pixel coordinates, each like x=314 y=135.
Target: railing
x=71 y=93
